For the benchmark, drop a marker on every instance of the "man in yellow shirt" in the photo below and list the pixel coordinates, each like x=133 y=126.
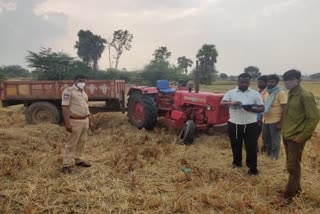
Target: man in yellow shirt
x=275 y=103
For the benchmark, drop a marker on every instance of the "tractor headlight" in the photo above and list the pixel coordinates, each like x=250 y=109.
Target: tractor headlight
x=208 y=107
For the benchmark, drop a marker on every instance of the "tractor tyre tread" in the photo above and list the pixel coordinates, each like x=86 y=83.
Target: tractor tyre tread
x=187 y=133
x=150 y=110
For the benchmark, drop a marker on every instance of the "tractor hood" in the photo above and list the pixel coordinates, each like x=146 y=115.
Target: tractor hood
x=202 y=98
x=209 y=102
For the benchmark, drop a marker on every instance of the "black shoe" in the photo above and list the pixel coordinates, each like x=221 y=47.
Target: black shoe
x=253 y=172
x=67 y=170
x=83 y=164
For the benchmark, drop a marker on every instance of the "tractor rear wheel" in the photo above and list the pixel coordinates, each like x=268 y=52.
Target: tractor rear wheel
x=142 y=111
x=187 y=133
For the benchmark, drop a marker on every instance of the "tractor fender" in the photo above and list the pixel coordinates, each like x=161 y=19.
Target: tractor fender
x=143 y=90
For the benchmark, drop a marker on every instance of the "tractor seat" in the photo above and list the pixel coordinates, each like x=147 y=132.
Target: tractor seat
x=163 y=86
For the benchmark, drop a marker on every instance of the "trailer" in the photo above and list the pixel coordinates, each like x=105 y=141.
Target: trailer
x=42 y=99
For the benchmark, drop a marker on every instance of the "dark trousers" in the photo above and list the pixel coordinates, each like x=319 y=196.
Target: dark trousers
x=271 y=138
x=258 y=135
x=294 y=155
x=247 y=134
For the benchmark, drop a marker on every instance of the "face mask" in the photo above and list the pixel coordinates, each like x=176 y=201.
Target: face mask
x=290 y=84
x=81 y=85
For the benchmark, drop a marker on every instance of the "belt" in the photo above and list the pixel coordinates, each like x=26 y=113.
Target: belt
x=78 y=117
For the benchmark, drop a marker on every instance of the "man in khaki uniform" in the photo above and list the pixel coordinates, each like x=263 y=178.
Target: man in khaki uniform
x=76 y=117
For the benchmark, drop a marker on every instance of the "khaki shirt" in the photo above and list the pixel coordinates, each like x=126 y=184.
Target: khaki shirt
x=301 y=116
x=77 y=101
x=275 y=112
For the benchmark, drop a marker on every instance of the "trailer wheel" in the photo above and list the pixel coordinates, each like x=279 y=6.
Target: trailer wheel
x=42 y=112
x=187 y=133
x=142 y=111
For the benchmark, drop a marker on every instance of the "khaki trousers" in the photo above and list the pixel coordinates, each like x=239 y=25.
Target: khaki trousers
x=294 y=155
x=76 y=141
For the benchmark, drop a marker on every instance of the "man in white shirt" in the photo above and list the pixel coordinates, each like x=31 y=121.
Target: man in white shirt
x=244 y=103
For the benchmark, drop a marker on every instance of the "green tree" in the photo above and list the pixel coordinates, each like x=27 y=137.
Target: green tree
x=161 y=55
x=253 y=71
x=223 y=76
x=49 y=65
x=184 y=63
x=233 y=77
x=77 y=67
x=160 y=68
x=207 y=57
x=155 y=71
x=315 y=76
x=90 y=48
x=121 y=41
x=113 y=74
x=11 y=71
x=2 y=76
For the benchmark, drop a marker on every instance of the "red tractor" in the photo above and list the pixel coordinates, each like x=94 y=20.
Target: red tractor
x=187 y=110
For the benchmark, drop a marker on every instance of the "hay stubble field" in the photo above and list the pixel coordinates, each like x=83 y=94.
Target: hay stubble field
x=135 y=171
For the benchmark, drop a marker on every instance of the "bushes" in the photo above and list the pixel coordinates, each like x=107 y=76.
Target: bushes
x=12 y=71
x=161 y=70
x=2 y=76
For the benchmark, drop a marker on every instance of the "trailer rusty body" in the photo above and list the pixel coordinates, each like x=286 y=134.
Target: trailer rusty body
x=42 y=99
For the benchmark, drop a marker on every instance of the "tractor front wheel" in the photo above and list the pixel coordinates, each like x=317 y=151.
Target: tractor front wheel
x=187 y=133
x=142 y=111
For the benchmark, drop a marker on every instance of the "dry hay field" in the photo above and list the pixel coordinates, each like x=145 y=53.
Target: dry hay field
x=136 y=171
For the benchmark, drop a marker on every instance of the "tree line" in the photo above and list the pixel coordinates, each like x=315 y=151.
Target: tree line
x=47 y=64
x=50 y=65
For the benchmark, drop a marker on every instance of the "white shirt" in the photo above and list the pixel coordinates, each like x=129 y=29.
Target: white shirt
x=237 y=114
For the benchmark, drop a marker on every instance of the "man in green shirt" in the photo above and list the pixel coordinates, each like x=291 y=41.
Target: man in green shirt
x=299 y=122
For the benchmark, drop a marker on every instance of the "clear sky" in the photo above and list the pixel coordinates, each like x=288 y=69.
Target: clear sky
x=275 y=35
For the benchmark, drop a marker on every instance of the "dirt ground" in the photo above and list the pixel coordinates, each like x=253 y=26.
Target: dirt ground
x=136 y=171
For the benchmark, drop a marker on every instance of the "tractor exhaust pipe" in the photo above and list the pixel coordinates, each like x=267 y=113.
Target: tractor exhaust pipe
x=196 y=77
